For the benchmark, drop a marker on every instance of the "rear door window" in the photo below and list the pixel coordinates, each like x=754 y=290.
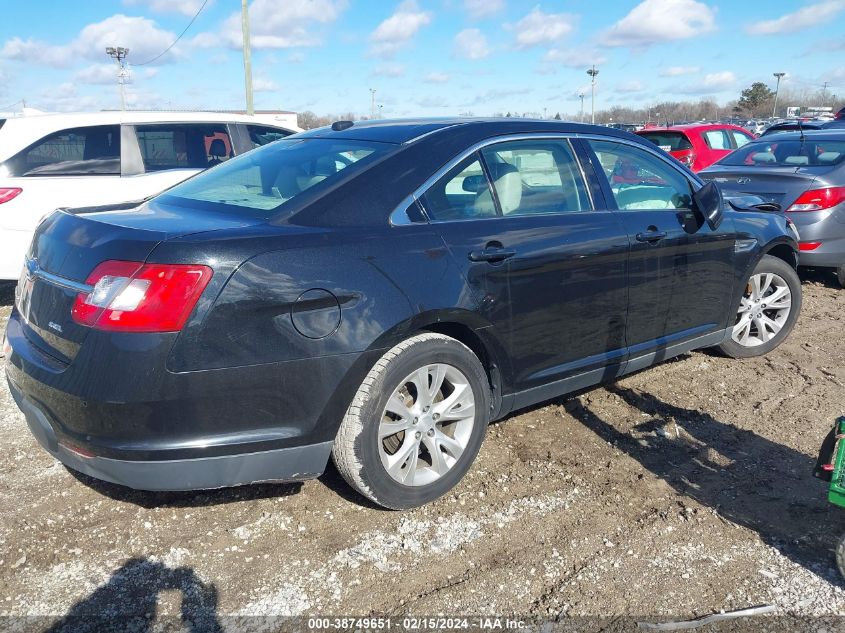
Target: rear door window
x=717 y=139
x=183 y=146
x=85 y=151
x=740 y=139
x=463 y=193
x=263 y=134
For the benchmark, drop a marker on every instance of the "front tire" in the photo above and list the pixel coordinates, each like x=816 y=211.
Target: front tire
x=769 y=308
x=416 y=423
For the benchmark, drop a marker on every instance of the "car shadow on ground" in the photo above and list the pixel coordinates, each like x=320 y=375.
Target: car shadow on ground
x=824 y=276
x=747 y=479
x=7 y=293
x=188 y=498
x=128 y=602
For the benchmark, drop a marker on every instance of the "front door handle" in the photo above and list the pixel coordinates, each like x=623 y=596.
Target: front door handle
x=492 y=255
x=651 y=236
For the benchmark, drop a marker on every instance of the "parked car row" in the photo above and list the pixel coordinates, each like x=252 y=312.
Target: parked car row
x=73 y=160
x=376 y=293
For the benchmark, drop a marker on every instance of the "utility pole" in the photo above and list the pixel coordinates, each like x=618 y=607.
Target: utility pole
x=380 y=106
x=250 y=106
x=777 y=90
x=592 y=73
x=581 y=95
x=372 y=103
x=824 y=92
x=119 y=54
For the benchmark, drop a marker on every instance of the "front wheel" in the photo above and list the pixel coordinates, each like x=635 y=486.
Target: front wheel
x=416 y=423
x=770 y=305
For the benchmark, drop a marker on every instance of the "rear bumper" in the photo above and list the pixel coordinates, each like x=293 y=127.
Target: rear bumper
x=279 y=465
x=827 y=227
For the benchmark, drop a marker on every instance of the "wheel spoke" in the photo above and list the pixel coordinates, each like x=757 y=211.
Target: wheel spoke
x=742 y=329
x=407 y=453
x=438 y=461
x=452 y=446
x=396 y=405
x=762 y=333
x=772 y=325
x=780 y=298
x=388 y=428
x=458 y=406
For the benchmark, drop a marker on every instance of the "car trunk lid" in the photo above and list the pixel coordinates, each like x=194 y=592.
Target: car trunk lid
x=69 y=244
x=781 y=185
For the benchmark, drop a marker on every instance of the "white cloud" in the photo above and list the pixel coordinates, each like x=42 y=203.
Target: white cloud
x=629 y=87
x=478 y=9
x=805 y=17
x=471 y=44
x=541 y=28
x=262 y=84
x=655 y=21
x=677 y=71
x=275 y=24
x=141 y=36
x=185 y=7
x=397 y=31
x=296 y=58
x=574 y=57
x=433 y=102
x=710 y=83
x=389 y=70
x=436 y=78
x=97 y=74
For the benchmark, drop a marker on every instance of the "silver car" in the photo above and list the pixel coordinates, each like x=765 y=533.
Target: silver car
x=803 y=173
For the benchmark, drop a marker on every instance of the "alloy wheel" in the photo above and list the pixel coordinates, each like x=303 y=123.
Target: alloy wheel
x=763 y=310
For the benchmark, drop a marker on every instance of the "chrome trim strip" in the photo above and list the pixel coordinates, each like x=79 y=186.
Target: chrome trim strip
x=430 y=132
x=33 y=270
x=397 y=220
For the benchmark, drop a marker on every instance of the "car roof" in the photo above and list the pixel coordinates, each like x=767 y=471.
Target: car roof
x=829 y=134
x=408 y=130
x=693 y=127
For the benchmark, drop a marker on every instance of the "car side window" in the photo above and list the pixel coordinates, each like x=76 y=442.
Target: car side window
x=640 y=180
x=717 y=139
x=183 y=146
x=263 y=134
x=463 y=193
x=536 y=177
x=84 y=151
x=739 y=138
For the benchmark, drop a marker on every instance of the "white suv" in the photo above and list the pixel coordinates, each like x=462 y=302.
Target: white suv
x=89 y=159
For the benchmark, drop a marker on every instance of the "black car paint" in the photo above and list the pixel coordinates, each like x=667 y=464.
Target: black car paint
x=242 y=378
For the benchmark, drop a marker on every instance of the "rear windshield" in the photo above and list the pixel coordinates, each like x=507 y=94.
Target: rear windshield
x=776 y=152
x=261 y=181
x=668 y=141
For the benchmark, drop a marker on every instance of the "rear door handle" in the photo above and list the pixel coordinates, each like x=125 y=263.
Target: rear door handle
x=491 y=255
x=651 y=236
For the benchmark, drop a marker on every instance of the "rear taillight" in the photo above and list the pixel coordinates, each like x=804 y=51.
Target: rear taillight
x=7 y=193
x=137 y=297
x=808 y=246
x=818 y=199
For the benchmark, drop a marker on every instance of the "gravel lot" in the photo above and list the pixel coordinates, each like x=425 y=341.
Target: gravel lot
x=679 y=491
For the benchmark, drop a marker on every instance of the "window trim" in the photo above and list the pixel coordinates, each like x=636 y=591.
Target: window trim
x=399 y=217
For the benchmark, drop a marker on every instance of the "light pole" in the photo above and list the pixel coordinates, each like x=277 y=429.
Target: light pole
x=250 y=106
x=372 y=103
x=777 y=89
x=592 y=73
x=380 y=106
x=119 y=54
x=582 y=107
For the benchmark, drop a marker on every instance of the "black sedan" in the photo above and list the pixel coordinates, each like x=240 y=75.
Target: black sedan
x=378 y=292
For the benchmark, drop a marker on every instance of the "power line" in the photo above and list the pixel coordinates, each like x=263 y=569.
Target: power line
x=193 y=19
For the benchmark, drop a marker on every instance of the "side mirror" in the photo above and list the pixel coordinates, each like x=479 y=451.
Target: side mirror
x=708 y=201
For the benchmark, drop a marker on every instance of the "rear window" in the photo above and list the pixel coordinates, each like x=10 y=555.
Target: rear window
x=83 y=151
x=668 y=141
x=776 y=152
x=261 y=181
x=263 y=134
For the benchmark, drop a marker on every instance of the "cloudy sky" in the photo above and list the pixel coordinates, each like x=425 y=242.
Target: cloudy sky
x=426 y=57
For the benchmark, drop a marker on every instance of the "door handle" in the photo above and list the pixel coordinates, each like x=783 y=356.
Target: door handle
x=491 y=255
x=651 y=236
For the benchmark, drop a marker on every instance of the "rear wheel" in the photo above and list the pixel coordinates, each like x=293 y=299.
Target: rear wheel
x=770 y=305
x=415 y=424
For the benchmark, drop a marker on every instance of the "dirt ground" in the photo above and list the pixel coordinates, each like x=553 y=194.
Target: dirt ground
x=680 y=491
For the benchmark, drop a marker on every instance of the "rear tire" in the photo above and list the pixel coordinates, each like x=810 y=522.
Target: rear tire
x=770 y=305
x=840 y=274
x=840 y=555
x=416 y=423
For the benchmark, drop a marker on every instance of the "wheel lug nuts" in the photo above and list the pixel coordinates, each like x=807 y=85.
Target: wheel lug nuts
x=416 y=420
x=425 y=409
x=431 y=432
x=435 y=417
x=418 y=435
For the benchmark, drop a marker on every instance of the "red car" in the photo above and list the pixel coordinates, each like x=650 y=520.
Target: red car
x=698 y=145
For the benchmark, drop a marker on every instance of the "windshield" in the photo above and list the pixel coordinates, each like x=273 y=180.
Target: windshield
x=776 y=152
x=668 y=141
x=261 y=181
